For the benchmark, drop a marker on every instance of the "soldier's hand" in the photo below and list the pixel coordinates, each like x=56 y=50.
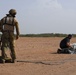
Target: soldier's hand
x=17 y=37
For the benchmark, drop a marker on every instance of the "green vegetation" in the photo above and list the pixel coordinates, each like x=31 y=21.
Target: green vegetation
x=46 y=35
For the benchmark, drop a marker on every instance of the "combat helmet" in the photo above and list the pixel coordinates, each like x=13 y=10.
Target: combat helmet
x=12 y=12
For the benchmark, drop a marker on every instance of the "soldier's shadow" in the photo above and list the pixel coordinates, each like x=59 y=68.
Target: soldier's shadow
x=54 y=53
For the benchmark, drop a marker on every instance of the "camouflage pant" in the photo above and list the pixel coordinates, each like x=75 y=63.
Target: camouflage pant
x=8 y=41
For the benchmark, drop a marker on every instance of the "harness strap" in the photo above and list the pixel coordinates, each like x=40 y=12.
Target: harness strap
x=8 y=23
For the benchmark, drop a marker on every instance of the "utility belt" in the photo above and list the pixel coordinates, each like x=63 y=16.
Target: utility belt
x=8 y=31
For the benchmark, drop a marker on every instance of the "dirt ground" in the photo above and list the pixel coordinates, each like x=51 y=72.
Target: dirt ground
x=37 y=56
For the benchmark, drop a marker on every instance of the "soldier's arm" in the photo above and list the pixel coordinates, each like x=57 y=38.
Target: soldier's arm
x=68 y=44
x=0 y=26
x=17 y=30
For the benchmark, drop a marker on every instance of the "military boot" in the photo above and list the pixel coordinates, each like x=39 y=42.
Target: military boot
x=13 y=61
x=3 y=61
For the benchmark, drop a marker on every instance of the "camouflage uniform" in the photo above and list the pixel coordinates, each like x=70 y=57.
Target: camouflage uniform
x=0 y=36
x=8 y=25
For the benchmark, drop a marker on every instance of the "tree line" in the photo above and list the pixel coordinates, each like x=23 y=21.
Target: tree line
x=46 y=35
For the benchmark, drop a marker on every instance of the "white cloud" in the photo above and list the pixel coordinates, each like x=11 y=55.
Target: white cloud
x=46 y=16
x=49 y=4
x=42 y=16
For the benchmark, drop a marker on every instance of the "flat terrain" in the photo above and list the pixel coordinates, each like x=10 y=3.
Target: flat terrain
x=37 y=56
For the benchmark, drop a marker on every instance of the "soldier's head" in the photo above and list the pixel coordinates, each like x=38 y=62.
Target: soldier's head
x=70 y=36
x=12 y=12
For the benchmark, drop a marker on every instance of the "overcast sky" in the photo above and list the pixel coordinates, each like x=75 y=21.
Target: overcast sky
x=42 y=16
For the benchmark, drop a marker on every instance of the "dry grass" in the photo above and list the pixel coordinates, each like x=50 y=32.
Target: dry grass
x=37 y=56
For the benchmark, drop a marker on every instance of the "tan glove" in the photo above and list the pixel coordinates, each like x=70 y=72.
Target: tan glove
x=17 y=36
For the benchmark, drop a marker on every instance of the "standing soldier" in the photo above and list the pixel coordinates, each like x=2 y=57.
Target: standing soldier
x=8 y=25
